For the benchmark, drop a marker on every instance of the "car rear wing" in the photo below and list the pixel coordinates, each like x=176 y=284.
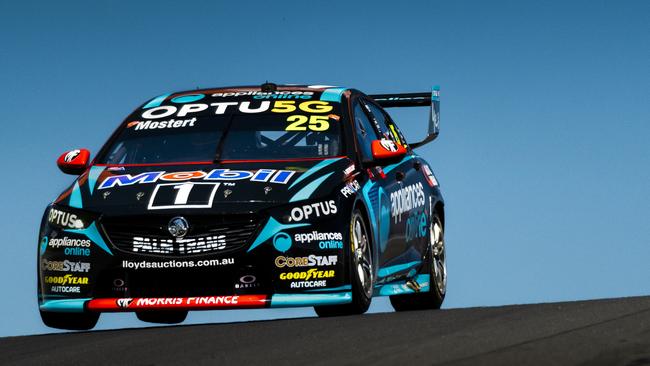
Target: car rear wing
x=416 y=100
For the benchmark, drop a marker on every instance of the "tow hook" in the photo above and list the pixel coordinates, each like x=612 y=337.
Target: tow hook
x=413 y=285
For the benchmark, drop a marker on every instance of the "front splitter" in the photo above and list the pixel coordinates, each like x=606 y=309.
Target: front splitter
x=196 y=303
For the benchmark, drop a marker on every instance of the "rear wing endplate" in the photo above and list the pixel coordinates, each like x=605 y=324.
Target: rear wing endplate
x=416 y=100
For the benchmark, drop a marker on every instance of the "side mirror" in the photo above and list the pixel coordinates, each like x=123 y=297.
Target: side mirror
x=74 y=162
x=386 y=151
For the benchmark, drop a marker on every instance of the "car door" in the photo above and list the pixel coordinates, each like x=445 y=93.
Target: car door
x=406 y=198
x=418 y=216
x=374 y=190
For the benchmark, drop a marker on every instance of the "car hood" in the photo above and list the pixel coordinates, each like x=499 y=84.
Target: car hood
x=203 y=187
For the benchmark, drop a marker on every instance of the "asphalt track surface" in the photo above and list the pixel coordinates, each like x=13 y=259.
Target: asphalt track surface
x=599 y=332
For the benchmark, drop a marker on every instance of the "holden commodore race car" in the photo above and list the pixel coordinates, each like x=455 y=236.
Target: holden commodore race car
x=246 y=197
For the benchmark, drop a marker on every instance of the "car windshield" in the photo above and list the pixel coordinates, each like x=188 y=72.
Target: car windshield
x=228 y=130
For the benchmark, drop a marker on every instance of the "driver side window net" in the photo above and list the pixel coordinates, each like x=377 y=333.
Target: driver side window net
x=387 y=128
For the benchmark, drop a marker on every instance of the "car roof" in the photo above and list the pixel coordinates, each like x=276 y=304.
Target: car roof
x=278 y=87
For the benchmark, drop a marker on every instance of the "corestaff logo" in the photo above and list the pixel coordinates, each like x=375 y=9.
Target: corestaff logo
x=64 y=266
x=309 y=261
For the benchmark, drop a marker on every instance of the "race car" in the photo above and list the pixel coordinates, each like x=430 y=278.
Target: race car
x=246 y=197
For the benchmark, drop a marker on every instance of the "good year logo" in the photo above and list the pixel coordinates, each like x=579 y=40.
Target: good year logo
x=66 y=280
x=306 y=275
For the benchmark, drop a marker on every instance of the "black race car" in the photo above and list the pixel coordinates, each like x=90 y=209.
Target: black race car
x=246 y=197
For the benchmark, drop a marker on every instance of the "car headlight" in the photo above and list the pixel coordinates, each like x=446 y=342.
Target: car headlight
x=67 y=218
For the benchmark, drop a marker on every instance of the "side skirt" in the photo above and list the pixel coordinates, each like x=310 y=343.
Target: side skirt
x=420 y=283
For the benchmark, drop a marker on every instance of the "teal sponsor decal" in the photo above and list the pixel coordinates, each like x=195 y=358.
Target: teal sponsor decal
x=44 y=242
x=75 y=196
x=93 y=234
x=332 y=94
x=155 y=102
x=387 y=271
x=333 y=289
x=64 y=306
x=313 y=170
x=309 y=189
x=93 y=174
x=188 y=98
x=282 y=242
x=423 y=282
x=271 y=228
x=287 y=300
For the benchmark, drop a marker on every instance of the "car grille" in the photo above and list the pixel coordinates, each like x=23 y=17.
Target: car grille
x=207 y=234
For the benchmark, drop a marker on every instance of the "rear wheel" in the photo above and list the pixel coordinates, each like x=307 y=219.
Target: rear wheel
x=437 y=268
x=70 y=321
x=361 y=271
x=162 y=317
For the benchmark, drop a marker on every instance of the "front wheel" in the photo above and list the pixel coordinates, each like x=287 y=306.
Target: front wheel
x=437 y=268
x=69 y=321
x=361 y=271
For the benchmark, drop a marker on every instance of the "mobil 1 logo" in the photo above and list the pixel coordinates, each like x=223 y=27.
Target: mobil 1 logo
x=183 y=195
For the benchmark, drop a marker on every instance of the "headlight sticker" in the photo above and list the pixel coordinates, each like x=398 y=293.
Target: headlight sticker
x=63 y=219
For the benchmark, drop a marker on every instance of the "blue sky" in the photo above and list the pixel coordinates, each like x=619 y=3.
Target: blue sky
x=543 y=154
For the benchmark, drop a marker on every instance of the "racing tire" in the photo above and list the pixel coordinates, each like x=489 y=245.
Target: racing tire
x=437 y=269
x=162 y=317
x=69 y=321
x=361 y=271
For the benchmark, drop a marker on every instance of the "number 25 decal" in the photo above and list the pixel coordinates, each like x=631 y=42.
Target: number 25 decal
x=183 y=195
x=314 y=123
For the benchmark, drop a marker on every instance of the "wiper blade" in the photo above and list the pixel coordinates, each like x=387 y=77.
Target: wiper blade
x=222 y=141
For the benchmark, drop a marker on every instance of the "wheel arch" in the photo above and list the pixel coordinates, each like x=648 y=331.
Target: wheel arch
x=439 y=209
x=361 y=205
